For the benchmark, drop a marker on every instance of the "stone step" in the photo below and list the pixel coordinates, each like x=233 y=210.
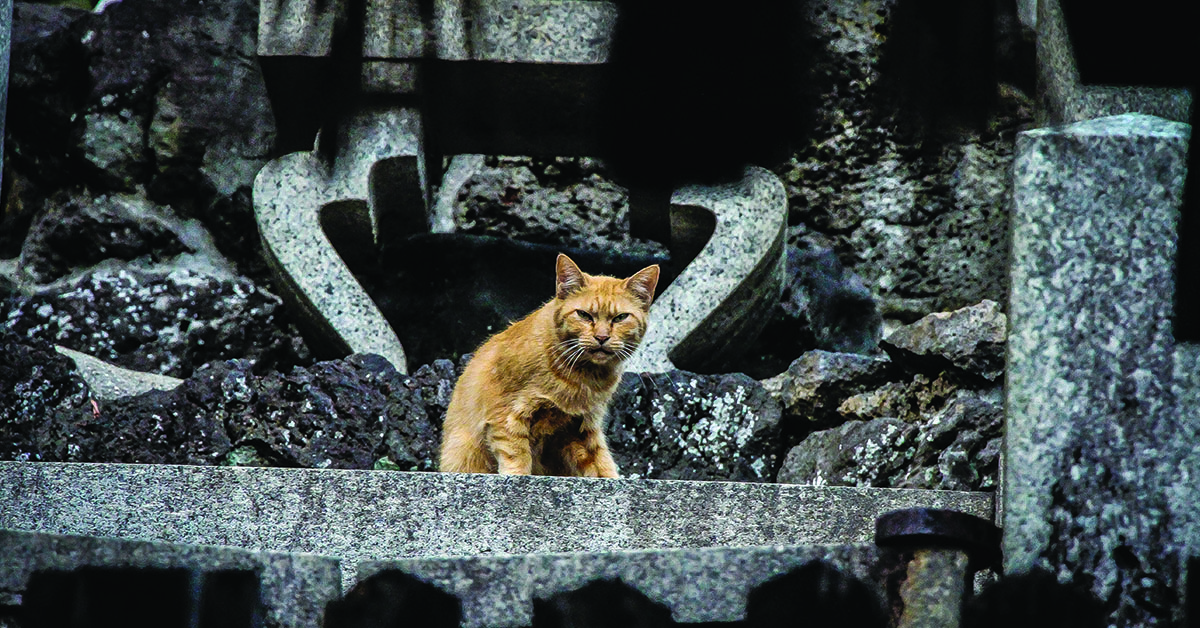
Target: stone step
x=383 y=515
x=708 y=584
x=696 y=585
x=293 y=588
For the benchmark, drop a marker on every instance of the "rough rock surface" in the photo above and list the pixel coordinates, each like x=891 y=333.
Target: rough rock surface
x=79 y=231
x=680 y=425
x=971 y=339
x=814 y=385
x=35 y=384
x=354 y=413
x=924 y=225
x=900 y=422
x=157 y=99
x=162 y=321
x=565 y=200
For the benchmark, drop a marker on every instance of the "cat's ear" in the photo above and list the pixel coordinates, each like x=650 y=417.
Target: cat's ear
x=568 y=277
x=642 y=284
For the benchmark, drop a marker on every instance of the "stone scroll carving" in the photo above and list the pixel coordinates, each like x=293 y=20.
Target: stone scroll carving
x=716 y=304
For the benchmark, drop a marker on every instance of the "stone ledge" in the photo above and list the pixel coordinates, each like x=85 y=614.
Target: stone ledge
x=379 y=515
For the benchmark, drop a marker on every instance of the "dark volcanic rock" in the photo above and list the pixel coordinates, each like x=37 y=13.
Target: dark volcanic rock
x=858 y=453
x=35 y=384
x=565 y=201
x=161 y=322
x=47 y=86
x=165 y=97
x=80 y=231
x=928 y=417
x=357 y=413
x=681 y=425
x=955 y=448
x=816 y=383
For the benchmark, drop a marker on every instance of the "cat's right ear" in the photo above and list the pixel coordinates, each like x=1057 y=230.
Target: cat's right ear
x=643 y=283
x=569 y=277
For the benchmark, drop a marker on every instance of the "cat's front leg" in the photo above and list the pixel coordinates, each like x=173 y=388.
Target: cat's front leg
x=591 y=456
x=509 y=443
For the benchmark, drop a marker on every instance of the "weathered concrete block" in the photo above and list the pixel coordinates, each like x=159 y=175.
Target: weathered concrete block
x=293 y=588
x=374 y=515
x=1102 y=402
x=698 y=585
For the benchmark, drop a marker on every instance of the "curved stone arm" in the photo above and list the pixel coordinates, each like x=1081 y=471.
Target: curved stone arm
x=289 y=194
x=723 y=296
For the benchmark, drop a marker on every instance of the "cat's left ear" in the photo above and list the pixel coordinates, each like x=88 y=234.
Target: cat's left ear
x=643 y=283
x=569 y=277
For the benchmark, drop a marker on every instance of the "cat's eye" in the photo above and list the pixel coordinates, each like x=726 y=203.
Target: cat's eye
x=584 y=315
x=620 y=317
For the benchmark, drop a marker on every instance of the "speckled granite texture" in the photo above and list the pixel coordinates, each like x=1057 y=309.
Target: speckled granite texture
x=290 y=194
x=293 y=588
x=698 y=585
x=1103 y=418
x=107 y=381
x=304 y=28
x=710 y=308
x=1067 y=99
x=527 y=31
x=373 y=515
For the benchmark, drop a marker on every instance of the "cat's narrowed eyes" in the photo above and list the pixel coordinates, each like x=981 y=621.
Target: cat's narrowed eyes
x=587 y=316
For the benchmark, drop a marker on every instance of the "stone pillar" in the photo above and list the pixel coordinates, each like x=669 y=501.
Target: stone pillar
x=5 y=47
x=1103 y=404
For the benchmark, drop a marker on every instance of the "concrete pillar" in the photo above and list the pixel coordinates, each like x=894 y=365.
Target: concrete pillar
x=1103 y=404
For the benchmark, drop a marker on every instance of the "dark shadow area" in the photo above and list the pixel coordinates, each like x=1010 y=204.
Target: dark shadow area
x=941 y=62
x=1033 y=600
x=601 y=604
x=393 y=599
x=94 y=597
x=819 y=595
x=700 y=88
x=444 y=294
x=1191 y=597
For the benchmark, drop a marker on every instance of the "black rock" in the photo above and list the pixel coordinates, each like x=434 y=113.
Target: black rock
x=858 y=453
x=165 y=97
x=681 y=425
x=36 y=382
x=161 y=322
x=357 y=413
x=81 y=231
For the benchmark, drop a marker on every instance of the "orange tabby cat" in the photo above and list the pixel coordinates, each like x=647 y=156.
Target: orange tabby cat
x=534 y=397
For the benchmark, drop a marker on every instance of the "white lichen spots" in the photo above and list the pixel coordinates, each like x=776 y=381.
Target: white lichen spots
x=758 y=466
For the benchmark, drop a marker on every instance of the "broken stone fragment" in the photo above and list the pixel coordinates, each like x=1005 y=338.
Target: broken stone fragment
x=971 y=338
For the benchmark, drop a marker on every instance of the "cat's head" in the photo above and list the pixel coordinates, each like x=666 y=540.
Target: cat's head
x=600 y=320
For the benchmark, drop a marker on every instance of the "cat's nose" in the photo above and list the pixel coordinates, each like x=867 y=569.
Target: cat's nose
x=601 y=339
